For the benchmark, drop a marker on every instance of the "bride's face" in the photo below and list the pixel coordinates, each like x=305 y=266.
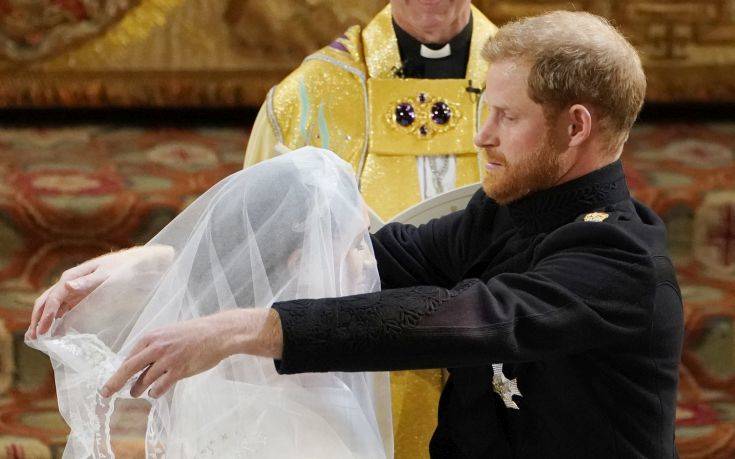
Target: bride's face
x=356 y=265
x=360 y=254
x=360 y=261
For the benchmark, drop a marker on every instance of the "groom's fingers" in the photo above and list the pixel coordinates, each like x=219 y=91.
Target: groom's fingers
x=135 y=389
x=133 y=364
x=163 y=384
x=148 y=377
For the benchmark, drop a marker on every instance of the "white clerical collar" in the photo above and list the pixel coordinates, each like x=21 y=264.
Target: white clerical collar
x=429 y=53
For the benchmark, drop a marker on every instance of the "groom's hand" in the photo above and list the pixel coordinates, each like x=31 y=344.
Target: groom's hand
x=174 y=352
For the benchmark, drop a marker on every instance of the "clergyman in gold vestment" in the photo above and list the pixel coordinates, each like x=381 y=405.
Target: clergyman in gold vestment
x=399 y=100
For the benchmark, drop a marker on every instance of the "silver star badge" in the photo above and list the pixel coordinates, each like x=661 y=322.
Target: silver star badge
x=505 y=387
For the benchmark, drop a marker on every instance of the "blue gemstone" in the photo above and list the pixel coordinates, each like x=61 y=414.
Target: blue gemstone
x=405 y=114
x=441 y=113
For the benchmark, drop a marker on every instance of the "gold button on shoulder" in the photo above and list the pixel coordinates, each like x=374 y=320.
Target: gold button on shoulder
x=596 y=217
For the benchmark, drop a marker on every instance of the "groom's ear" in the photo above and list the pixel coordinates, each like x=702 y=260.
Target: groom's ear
x=579 y=128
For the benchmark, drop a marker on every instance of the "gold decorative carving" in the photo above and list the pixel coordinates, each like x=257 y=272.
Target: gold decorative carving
x=229 y=53
x=139 y=89
x=294 y=27
x=36 y=29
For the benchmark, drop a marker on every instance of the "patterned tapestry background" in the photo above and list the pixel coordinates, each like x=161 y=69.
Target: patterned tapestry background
x=67 y=195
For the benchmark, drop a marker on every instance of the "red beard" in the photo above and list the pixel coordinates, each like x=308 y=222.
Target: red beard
x=536 y=171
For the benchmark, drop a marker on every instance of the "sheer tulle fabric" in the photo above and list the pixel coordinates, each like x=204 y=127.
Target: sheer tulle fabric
x=292 y=227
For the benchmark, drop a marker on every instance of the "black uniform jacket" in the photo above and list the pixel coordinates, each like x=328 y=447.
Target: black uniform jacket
x=571 y=289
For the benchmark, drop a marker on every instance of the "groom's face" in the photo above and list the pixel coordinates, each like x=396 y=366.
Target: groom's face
x=520 y=150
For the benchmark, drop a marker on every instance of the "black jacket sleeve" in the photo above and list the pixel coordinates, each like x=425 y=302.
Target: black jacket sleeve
x=430 y=254
x=590 y=285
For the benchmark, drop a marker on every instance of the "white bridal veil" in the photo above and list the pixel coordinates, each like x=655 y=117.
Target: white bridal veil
x=292 y=227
